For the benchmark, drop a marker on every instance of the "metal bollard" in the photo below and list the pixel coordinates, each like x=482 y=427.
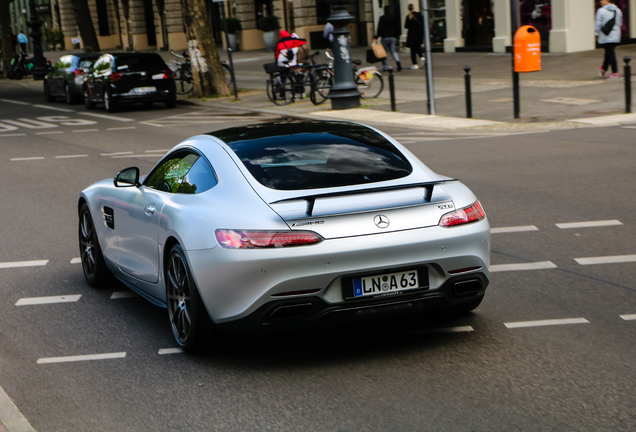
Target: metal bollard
x=628 y=85
x=469 y=102
x=392 y=89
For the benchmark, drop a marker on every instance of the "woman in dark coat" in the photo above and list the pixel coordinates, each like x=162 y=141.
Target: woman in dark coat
x=414 y=25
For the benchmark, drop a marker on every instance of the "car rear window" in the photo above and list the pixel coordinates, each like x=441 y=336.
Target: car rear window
x=139 y=63
x=299 y=160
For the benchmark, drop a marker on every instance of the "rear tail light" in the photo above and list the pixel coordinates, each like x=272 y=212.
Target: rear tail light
x=472 y=213
x=167 y=73
x=115 y=76
x=240 y=239
x=78 y=72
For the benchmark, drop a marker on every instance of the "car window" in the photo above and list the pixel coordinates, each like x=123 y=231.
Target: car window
x=139 y=62
x=84 y=63
x=199 y=179
x=169 y=175
x=318 y=159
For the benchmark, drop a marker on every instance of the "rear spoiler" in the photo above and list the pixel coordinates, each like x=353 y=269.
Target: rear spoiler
x=311 y=199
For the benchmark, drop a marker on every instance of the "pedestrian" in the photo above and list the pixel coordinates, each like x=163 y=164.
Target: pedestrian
x=23 y=41
x=327 y=33
x=608 y=35
x=389 y=30
x=414 y=26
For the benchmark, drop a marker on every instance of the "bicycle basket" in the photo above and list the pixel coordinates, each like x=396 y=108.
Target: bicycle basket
x=271 y=68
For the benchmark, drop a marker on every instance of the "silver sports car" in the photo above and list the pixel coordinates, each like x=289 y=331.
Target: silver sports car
x=286 y=224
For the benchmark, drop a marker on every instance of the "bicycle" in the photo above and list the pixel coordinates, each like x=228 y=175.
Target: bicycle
x=183 y=73
x=286 y=84
x=368 y=80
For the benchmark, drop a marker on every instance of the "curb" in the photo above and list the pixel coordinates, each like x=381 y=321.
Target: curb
x=11 y=419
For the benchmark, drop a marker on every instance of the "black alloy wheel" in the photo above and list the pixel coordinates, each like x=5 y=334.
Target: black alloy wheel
x=87 y=102
x=47 y=93
x=93 y=264
x=191 y=325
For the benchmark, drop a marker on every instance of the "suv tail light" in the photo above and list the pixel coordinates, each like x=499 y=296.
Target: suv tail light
x=115 y=76
x=242 y=239
x=167 y=73
x=78 y=71
x=472 y=213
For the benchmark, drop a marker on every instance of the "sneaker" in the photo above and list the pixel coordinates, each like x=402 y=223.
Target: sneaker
x=415 y=66
x=601 y=72
x=399 y=66
x=422 y=60
x=614 y=76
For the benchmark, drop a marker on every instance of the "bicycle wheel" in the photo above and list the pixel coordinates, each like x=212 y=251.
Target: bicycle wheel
x=183 y=81
x=322 y=83
x=228 y=75
x=280 y=94
x=371 y=87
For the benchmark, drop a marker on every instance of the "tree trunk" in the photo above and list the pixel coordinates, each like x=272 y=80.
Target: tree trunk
x=207 y=72
x=7 y=45
x=85 y=25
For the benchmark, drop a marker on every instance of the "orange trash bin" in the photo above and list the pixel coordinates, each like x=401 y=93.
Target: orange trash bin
x=527 y=49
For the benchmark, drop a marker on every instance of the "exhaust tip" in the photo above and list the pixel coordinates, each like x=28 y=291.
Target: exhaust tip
x=290 y=312
x=468 y=287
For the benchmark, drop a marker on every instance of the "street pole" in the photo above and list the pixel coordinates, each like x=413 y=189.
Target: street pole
x=39 y=64
x=229 y=50
x=344 y=94
x=430 y=92
x=514 y=24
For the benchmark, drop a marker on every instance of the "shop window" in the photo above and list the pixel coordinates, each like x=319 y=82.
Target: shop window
x=263 y=8
x=102 y=18
x=537 y=13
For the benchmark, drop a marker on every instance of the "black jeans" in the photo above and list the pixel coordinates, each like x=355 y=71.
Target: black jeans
x=416 y=51
x=610 y=57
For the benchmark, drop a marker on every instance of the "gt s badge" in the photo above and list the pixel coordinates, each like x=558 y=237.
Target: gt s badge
x=445 y=206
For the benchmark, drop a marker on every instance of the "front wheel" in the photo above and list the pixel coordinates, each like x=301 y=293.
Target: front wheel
x=322 y=83
x=47 y=93
x=93 y=264
x=278 y=92
x=68 y=96
x=183 y=81
x=228 y=75
x=88 y=104
x=190 y=322
x=371 y=86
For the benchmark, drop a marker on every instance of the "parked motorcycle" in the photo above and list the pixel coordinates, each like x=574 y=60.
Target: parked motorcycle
x=20 y=66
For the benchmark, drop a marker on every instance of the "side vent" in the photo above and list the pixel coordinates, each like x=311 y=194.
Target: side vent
x=109 y=216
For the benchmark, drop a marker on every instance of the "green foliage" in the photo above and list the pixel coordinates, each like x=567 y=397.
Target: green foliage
x=54 y=36
x=268 y=23
x=233 y=25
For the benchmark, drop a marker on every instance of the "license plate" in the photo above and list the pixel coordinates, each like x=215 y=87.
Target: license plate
x=141 y=90
x=387 y=284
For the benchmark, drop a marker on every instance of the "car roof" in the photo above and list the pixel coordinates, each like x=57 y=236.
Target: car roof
x=286 y=130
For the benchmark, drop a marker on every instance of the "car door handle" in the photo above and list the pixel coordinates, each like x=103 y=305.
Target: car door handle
x=149 y=209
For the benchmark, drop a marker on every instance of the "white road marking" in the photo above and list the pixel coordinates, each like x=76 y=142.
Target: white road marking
x=49 y=132
x=12 y=418
x=28 y=301
x=27 y=159
x=164 y=351
x=157 y=151
x=541 y=265
x=12 y=135
x=589 y=224
x=30 y=124
x=86 y=130
x=629 y=127
x=630 y=317
x=458 y=329
x=115 y=154
x=54 y=108
x=15 y=102
x=550 y=322
x=17 y=264
x=81 y=358
x=513 y=229
x=606 y=259
x=121 y=128
x=76 y=261
x=123 y=294
x=71 y=156
x=139 y=155
x=104 y=116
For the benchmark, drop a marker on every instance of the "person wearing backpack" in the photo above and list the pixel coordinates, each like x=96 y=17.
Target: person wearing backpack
x=609 y=20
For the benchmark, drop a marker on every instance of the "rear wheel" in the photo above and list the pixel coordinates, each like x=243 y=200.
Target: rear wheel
x=370 y=87
x=93 y=264
x=68 y=96
x=228 y=75
x=465 y=308
x=171 y=103
x=279 y=93
x=190 y=322
x=183 y=81
x=323 y=82
x=87 y=102
x=47 y=93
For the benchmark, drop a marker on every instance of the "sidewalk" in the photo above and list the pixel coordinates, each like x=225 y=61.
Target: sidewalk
x=566 y=93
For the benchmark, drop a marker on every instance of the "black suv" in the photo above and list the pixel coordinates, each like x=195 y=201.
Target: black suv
x=125 y=78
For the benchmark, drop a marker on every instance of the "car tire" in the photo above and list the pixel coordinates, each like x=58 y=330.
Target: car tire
x=47 y=93
x=109 y=105
x=147 y=104
x=172 y=103
x=68 y=96
x=191 y=325
x=18 y=75
x=87 y=102
x=466 y=308
x=95 y=270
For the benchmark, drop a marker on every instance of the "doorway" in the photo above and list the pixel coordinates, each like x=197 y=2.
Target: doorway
x=478 y=23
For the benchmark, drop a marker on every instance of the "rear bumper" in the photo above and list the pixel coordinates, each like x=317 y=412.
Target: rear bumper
x=158 y=96
x=313 y=311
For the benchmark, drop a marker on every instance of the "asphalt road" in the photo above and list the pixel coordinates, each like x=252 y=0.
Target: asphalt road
x=552 y=347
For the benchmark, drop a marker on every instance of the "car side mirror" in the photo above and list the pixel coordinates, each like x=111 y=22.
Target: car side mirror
x=127 y=177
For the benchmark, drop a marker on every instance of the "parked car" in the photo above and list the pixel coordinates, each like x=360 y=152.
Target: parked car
x=127 y=78
x=66 y=77
x=283 y=225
